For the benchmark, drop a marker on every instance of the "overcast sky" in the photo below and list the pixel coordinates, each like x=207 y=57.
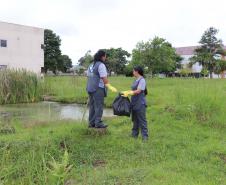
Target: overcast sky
x=92 y=24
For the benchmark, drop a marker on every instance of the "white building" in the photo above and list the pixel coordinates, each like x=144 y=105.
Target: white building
x=21 y=47
x=186 y=53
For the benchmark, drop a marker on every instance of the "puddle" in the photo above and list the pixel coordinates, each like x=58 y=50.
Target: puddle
x=46 y=111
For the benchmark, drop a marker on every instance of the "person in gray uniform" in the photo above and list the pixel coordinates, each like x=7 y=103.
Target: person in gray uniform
x=97 y=86
x=138 y=103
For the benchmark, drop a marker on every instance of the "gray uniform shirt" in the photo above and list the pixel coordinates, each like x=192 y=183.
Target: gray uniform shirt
x=142 y=84
x=103 y=73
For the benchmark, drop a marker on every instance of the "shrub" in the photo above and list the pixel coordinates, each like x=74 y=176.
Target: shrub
x=19 y=86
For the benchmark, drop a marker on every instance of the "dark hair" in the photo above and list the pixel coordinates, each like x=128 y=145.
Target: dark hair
x=140 y=71
x=98 y=56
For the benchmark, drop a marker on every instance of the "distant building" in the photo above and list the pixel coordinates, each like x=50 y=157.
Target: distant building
x=186 y=53
x=21 y=47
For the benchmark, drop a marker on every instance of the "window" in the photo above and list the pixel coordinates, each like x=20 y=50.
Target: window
x=3 y=43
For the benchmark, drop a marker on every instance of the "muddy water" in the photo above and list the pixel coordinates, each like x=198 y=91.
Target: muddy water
x=46 y=111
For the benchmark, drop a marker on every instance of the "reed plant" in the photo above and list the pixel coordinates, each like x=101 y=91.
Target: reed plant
x=19 y=86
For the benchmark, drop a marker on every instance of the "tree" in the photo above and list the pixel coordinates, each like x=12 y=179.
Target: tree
x=52 y=50
x=116 y=60
x=210 y=51
x=64 y=63
x=220 y=67
x=204 y=72
x=86 y=60
x=128 y=71
x=158 y=55
x=53 y=59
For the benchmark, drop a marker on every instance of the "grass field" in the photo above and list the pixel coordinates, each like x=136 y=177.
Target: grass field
x=187 y=145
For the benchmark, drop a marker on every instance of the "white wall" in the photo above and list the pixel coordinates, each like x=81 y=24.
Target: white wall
x=196 y=68
x=23 y=47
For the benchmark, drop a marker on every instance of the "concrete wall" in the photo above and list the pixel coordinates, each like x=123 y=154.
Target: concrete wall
x=23 y=47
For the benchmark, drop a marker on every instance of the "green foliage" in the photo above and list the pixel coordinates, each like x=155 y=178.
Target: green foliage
x=59 y=170
x=17 y=86
x=116 y=60
x=128 y=71
x=209 y=53
x=81 y=71
x=86 y=60
x=185 y=71
x=64 y=63
x=220 y=66
x=204 y=72
x=157 y=54
x=52 y=50
x=54 y=60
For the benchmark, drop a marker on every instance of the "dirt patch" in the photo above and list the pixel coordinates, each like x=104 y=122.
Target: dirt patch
x=221 y=156
x=48 y=98
x=99 y=163
x=170 y=109
x=70 y=182
x=96 y=131
x=31 y=124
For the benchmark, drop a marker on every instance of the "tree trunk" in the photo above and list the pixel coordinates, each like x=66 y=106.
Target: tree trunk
x=211 y=74
x=222 y=74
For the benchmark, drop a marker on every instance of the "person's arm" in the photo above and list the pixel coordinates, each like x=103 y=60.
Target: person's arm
x=140 y=88
x=130 y=92
x=103 y=75
x=105 y=80
x=138 y=91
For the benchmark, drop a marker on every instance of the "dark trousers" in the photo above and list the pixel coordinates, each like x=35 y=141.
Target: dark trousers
x=139 y=122
x=96 y=104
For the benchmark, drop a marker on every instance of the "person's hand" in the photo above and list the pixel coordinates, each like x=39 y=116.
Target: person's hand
x=113 y=89
x=127 y=93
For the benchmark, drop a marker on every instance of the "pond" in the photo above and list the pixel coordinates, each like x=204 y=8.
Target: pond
x=46 y=111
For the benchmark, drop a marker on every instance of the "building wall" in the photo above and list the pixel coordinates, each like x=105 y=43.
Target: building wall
x=23 y=47
x=196 y=68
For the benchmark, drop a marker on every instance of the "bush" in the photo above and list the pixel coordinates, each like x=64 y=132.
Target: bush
x=19 y=86
x=128 y=71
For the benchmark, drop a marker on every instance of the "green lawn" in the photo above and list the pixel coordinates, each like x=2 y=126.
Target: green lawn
x=187 y=145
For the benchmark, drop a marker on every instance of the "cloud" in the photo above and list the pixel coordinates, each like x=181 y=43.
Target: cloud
x=92 y=24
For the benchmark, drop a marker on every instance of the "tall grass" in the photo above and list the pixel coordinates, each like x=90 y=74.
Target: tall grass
x=19 y=86
x=203 y=101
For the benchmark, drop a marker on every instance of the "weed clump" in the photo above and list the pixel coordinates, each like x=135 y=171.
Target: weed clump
x=19 y=86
